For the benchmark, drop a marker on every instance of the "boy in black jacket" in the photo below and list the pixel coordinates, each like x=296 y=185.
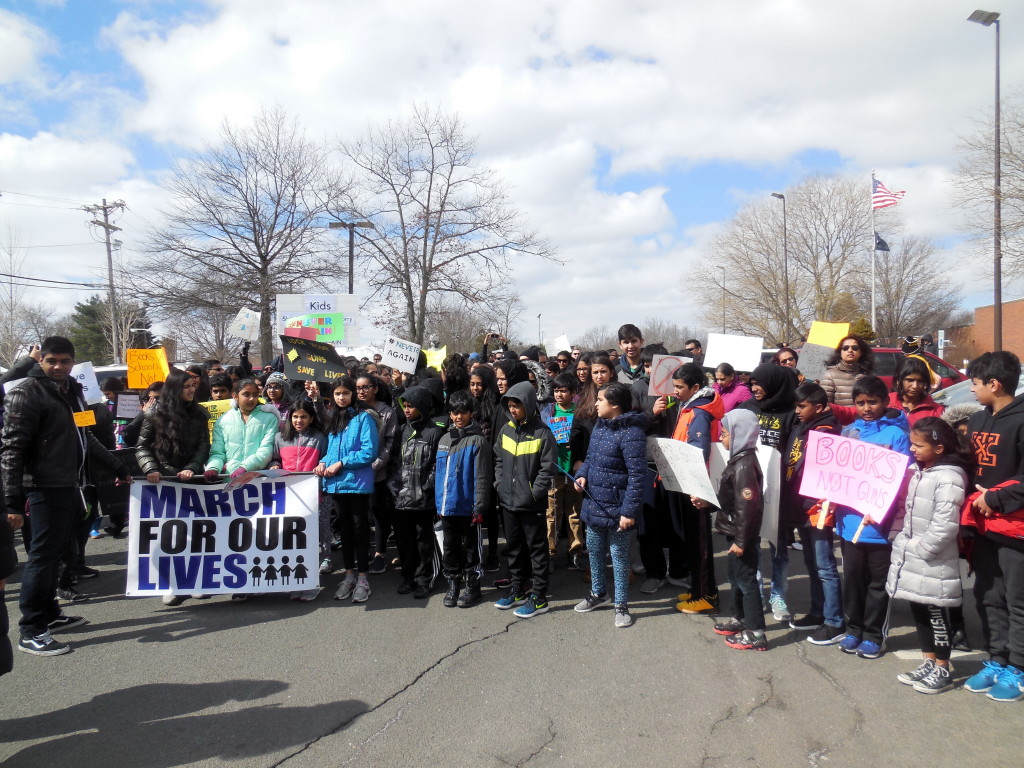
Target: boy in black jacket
x=525 y=463
x=739 y=519
x=411 y=480
x=825 y=618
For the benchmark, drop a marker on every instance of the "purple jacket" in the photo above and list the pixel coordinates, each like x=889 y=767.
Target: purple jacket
x=734 y=394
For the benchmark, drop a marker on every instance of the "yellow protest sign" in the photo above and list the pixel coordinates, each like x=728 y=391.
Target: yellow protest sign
x=146 y=366
x=828 y=334
x=217 y=408
x=85 y=419
x=435 y=357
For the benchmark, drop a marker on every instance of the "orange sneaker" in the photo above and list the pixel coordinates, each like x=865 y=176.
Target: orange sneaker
x=683 y=597
x=700 y=605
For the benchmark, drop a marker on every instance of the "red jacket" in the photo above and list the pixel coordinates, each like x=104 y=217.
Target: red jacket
x=927 y=407
x=1010 y=524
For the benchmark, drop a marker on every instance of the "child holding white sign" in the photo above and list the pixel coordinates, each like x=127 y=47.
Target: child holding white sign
x=866 y=547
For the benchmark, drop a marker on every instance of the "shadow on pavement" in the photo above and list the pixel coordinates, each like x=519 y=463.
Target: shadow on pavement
x=163 y=725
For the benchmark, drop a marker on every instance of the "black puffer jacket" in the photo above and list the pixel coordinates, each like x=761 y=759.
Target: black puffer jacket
x=191 y=452
x=42 y=447
x=411 y=475
x=525 y=456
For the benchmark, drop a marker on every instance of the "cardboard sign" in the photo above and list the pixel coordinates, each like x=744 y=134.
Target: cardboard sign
x=827 y=334
x=862 y=476
x=662 y=368
x=146 y=366
x=770 y=461
x=327 y=326
x=681 y=467
x=400 y=354
x=217 y=408
x=246 y=325
x=435 y=357
x=262 y=536
x=84 y=374
x=742 y=352
x=85 y=419
x=306 y=360
x=127 y=406
x=811 y=362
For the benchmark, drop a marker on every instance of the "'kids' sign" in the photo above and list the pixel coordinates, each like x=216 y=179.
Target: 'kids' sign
x=859 y=475
x=400 y=354
x=262 y=536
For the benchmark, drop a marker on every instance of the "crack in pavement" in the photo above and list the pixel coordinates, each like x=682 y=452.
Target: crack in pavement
x=384 y=702
x=769 y=699
x=711 y=734
x=541 y=748
x=816 y=756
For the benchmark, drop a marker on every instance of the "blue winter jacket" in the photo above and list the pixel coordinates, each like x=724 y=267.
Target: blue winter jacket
x=616 y=470
x=464 y=473
x=892 y=431
x=356 y=447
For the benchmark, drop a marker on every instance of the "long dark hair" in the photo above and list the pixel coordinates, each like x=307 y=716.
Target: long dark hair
x=288 y=431
x=866 y=363
x=338 y=418
x=383 y=390
x=456 y=375
x=171 y=414
x=911 y=366
x=488 y=402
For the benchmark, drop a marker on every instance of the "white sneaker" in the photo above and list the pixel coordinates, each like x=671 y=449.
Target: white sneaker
x=362 y=591
x=780 y=611
x=679 y=582
x=651 y=585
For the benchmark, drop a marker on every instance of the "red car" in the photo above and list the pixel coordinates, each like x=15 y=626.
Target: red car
x=888 y=359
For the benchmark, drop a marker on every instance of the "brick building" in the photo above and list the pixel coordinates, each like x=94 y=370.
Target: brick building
x=969 y=341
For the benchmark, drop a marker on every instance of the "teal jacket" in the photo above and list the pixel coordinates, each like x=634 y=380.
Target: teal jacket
x=248 y=444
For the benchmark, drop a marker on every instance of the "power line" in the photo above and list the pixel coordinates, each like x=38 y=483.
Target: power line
x=43 y=197
x=45 y=280
x=33 y=205
x=57 y=245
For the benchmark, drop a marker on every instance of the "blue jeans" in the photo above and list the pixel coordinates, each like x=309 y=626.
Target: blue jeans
x=823 y=575
x=54 y=513
x=780 y=571
x=599 y=541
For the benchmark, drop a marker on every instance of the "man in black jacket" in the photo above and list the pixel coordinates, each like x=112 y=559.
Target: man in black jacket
x=45 y=446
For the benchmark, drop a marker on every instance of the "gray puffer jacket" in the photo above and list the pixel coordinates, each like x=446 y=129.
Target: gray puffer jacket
x=925 y=565
x=838 y=383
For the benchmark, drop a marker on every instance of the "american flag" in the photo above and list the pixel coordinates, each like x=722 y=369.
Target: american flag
x=882 y=197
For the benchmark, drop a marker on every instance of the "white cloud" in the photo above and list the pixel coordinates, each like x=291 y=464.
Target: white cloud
x=22 y=44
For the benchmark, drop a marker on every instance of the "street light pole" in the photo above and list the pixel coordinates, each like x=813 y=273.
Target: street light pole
x=785 y=261
x=351 y=227
x=987 y=19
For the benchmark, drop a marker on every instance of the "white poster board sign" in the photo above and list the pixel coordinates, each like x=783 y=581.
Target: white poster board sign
x=84 y=374
x=293 y=305
x=662 y=368
x=246 y=325
x=127 y=405
x=400 y=354
x=559 y=344
x=681 y=467
x=811 y=361
x=742 y=352
x=770 y=461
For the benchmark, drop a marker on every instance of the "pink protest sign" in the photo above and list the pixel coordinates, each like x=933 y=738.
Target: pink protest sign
x=859 y=475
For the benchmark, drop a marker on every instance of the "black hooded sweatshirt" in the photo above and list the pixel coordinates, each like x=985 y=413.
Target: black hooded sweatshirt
x=776 y=410
x=525 y=456
x=997 y=440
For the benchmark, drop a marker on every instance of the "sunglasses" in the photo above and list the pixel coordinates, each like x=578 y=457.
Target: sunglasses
x=849 y=348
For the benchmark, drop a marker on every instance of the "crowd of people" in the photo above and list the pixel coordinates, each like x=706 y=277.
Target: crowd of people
x=542 y=450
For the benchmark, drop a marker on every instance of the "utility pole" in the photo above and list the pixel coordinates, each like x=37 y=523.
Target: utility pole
x=108 y=228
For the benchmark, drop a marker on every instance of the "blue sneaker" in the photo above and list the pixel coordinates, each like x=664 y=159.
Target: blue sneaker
x=984 y=678
x=1009 y=685
x=532 y=607
x=849 y=644
x=511 y=600
x=869 y=649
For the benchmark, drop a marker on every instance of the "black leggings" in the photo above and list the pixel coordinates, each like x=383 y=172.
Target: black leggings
x=933 y=629
x=353 y=521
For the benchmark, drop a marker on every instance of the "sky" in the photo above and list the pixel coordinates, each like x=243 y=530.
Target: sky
x=629 y=133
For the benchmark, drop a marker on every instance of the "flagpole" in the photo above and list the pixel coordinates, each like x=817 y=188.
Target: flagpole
x=872 y=203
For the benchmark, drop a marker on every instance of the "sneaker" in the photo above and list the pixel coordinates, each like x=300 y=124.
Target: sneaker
x=829 y=635
x=239 y=598
x=422 y=591
x=651 y=585
x=70 y=595
x=622 y=617
x=917 y=675
x=869 y=649
x=85 y=572
x=983 y=680
x=637 y=568
x=747 y=640
x=307 y=595
x=378 y=564
x=1009 y=685
x=172 y=600
x=730 y=627
x=406 y=587
x=679 y=582
x=362 y=591
x=326 y=566
x=43 y=645
x=849 y=644
x=808 y=623
x=699 y=605
x=959 y=642
x=780 y=611
x=492 y=564
x=535 y=606
x=503 y=582
x=939 y=680
x=115 y=531
x=346 y=588
x=684 y=597
x=580 y=562
x=798 y=546
x=590 y=602
x=511 y=600
x=64 y=621
x=96 y=534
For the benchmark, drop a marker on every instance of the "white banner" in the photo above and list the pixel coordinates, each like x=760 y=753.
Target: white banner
x=246 y=325
x=681 y=467
x=400 y=354
x=742 y=352
x=84 y=374
x=252 y=537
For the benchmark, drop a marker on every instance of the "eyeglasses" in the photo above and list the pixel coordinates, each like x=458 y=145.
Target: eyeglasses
x=273 y=386
x=365 y=388
x=691 y=349
x=849 y=348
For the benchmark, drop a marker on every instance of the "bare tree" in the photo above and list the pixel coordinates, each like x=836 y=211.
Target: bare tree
x=13 y=326
x=460 y=325
x=655 y=330
x=973 y=189
x=247 y=221
x=913 y=295
x=443 y=225
x=203 y=333
x=829 y=232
